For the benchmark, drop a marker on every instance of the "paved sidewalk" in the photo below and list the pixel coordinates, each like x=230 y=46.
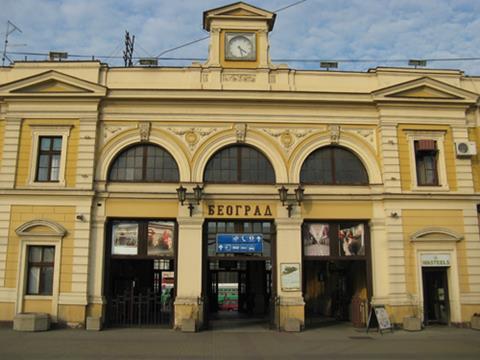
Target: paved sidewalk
x=333 y=342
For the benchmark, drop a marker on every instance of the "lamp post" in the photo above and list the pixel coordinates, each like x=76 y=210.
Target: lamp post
x=283 y=194
x=196 y=195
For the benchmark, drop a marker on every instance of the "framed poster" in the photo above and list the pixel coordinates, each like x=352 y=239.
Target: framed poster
x=290 y=276
x=352 y=240
x=316 y=239
x=160 y=237
x=125 y=238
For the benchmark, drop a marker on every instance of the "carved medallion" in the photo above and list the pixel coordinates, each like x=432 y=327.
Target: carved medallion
x=192 y=136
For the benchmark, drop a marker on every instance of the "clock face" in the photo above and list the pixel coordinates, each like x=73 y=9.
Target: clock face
x=240 y=46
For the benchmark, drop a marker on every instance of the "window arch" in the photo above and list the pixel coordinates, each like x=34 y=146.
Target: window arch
x=239 y=164
x=144 y=163
x=333 y=165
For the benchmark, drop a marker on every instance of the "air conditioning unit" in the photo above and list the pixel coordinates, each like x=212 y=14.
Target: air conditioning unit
x=466 y=148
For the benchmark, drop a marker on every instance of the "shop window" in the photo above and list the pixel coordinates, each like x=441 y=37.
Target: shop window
x=239 y=164
x=150 y=238
x=41 y=261
x=333 y=165
x=426 y=162
x=144 y=163
x=49 y=153
x=335 y=239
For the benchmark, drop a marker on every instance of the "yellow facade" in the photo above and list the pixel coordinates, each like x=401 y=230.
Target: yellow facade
x=195 y=112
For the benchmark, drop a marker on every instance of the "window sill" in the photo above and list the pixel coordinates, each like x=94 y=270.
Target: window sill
x=48 y=184
x=438 y=188
x=37 y=297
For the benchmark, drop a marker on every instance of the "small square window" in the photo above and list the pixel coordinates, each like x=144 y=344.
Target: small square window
x=40 y=270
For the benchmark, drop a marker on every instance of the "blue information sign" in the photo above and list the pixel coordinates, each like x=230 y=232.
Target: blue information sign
x=239 y=243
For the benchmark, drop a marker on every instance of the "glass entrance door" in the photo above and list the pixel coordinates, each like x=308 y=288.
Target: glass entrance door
x=435 y=296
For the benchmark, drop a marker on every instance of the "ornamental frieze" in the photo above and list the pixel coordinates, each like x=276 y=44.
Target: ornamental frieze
x=238 y=77
x=111 y=130
x=288 y=137
x=193 y=135
x=367 y=134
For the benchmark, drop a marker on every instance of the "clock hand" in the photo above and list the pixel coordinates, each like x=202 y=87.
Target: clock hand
x=241 y=50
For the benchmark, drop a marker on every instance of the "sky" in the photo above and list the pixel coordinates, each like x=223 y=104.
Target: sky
x=378 y=30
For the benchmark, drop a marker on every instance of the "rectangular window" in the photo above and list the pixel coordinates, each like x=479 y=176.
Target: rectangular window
x=426 y=154
x=40 y=270
x=48 y=162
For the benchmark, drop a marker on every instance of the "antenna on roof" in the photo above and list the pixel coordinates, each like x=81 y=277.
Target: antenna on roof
x=128 y=52
x=11 y=27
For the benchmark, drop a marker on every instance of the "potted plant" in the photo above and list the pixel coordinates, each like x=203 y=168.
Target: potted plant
x=414 y=321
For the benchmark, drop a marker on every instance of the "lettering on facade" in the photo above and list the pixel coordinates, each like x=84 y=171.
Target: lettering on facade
x=238 y=77
x=435 y=260
x=240 y=210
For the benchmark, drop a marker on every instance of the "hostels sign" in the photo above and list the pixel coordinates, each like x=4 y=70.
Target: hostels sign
x=243 y=210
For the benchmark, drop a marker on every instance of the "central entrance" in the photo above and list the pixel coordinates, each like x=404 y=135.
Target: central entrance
x=238 y=276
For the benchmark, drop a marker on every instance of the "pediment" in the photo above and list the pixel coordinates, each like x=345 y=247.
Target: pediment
x=424 y=89
x=52 y=83
x=436 y=234
x=41 y=228
x=238 y=10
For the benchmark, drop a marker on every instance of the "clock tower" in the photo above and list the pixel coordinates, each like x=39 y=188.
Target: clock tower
x=238 y=36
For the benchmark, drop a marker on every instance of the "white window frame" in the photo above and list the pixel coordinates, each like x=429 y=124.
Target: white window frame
x=27 y=239
x=48 y=130
x=439 y=138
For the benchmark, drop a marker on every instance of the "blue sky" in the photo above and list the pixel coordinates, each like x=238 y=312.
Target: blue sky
x=314 y=29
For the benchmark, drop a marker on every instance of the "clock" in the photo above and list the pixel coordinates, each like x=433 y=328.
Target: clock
x=240 y=46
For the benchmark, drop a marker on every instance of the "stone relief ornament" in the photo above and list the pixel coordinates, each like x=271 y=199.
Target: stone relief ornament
x=241 y=132
x=288 y=137
x=192 y=135
x=144 y=129
x=334 y=133
x=367 y=134
x=110 y=131
x=238 y=77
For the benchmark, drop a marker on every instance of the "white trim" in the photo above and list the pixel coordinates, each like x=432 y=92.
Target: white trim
x=48 y=130
x=441 y=234
x=439 y=137
x=32 y=239
x=452 y=278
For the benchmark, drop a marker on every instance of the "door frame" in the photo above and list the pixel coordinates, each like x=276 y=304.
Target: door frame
x=205 y=264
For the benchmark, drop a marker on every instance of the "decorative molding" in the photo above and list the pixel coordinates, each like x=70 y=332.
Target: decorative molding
x=430 y=234
x=192 y=135
x=367 y=134
x=57 y=229
x=240 y=132
x=239 y=77
x=334 y=134
x=110 y=131
x=288 y=137
x=144 y=129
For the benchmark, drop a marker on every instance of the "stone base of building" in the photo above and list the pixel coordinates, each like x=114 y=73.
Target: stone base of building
x=31 y=322
x=291 y=314
x=186 y=311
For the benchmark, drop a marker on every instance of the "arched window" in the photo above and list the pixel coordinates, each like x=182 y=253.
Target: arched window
x=333 y=165
x=239 y=164
x=144 y=163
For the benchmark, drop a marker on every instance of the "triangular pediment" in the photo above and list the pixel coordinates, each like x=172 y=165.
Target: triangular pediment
x=52 y=83
x=238 y=10
x=424 y=89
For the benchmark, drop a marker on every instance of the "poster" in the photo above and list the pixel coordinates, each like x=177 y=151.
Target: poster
x=316 y=240
x=290 y=276
x=124 y=238
x=160 y=238
x=352 y=240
